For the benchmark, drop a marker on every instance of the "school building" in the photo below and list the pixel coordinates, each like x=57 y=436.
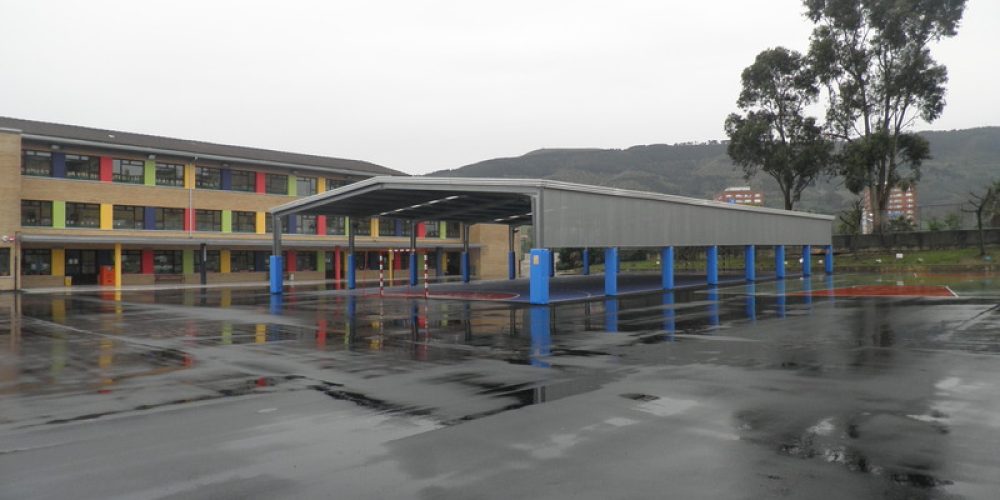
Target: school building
x=84 y=206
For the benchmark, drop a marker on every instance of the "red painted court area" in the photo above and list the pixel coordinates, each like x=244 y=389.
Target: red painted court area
x=456 y=295
x=885 y=291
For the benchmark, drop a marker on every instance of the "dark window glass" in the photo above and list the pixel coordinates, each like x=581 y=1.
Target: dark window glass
x=129 y=217
x=305 y=261
x=83 y=215
x=305 y=224
x=244 y=181
x=207 y=178
x=362 y=226
x=336 y=225
x=168 y=262
x=264 y=256
x=4 y=262
x=127 y=171
x=276 y=184
x=131 y=261
x=335 y=183
x=433 y=229
x=454 y=230
x=242 y=261
x=36 y=213
x=212 y=263
x=269 y=223
x=36 y=163
x=36 y=261
x=208 y=220
x=387 y=227
x=169 y=219
x=169 y=174
x=305 y=186
x=83 y=167
x=244 y=222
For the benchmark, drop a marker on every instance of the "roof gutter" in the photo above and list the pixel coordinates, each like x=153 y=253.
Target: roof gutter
x=174 y=152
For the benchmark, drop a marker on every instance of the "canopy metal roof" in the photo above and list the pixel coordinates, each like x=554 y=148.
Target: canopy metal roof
x=569 y=215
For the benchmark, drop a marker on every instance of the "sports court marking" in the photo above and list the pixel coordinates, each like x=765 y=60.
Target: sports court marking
x=883 y=291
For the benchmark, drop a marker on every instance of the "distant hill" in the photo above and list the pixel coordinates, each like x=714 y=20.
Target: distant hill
x=963 y=160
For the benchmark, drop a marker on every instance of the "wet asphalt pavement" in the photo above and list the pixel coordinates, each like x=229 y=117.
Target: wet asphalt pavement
x=771 y=390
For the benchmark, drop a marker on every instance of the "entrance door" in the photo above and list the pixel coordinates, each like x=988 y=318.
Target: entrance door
x=81 y=265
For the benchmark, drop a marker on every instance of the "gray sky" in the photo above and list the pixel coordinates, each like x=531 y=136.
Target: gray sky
x=422 y=85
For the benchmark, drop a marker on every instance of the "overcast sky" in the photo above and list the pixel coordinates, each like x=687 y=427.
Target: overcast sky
x=423 y=85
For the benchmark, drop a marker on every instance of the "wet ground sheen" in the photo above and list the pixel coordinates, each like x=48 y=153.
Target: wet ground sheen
x=778 y=389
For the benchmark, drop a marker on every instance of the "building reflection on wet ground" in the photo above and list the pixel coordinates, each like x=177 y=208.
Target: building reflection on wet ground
x=882 y=396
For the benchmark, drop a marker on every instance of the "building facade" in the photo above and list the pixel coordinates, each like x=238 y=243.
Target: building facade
x=741 y=195
x=83 y=206
x=902 y=204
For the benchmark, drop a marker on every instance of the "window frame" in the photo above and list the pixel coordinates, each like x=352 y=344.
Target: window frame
x=26 y=153
x=310 y=184
x=251 y=178
x=239 y=218
x=176 y=258
x=91 y=172
x=160 y=218
x=41 y=206
x=138 y=217
x=270 y=178
x=29 y=254
x=216 y=222
x=74 y=209
x=176 y=180
x=119 y=166
x=201 y=178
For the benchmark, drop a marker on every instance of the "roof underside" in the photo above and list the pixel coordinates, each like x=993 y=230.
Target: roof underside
x=569 y=215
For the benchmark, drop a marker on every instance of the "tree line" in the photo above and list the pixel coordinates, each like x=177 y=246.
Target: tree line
x=869 y=65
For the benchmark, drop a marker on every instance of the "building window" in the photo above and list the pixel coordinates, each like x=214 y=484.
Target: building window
x=244 y=181
x=127 y=171
x=335 y=225
x=169 y=219
x=4 y=262
x=36 y=163
x=211 y=264
x=83 y=215
x=269 y=224
x=207 y=178
x=129 y=217
x=305 y=186
x=83 y=167
x=208 y=220
x=276 y=184
x=131 y=261
x=169 y=174
x=36 y=261
x=305 y=224
x=36 y=213
x=305 y=261
x=244 y=222
x=335 y=183
x=362 y=226
x=432 y=229
x=242 y=261
x=453 y=230
x=168 y=262
x=387 y=227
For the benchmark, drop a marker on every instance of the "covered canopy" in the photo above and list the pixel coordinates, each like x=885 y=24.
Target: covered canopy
x=569 y=215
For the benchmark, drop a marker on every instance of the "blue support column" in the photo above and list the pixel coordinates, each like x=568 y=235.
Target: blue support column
x=712 y=265
x=586 y=262
x=669 y=316
x=351 y=272
x=541 y=335
x=750 y=262
x=538 y=276
x=511 y=266
x=667 y=267
x=611 y=271
x=751 y=301
x=779 y=261
x=611 y=315
x=277 y=273
x=713 y=306
x=465 y=267
x=828 y=260
x=806 y=260
x=413 y=268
